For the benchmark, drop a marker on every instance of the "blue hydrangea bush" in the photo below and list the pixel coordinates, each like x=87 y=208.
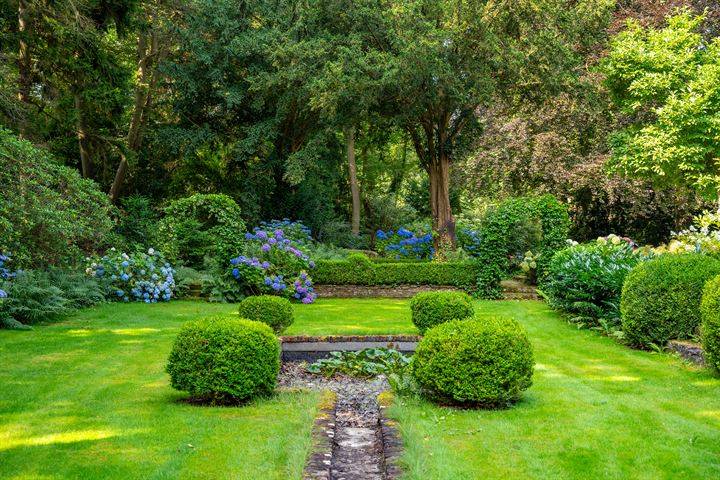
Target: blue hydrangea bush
x=142 y=277
x=404 y=244
x=274 y=264
x=296 y=232
x=5 y=274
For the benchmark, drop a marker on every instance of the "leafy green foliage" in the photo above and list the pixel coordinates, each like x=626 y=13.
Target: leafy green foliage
x=669 y=81
x=137 y=223
x=710 y=309
x=433 y=308
x=360 y=270
x=368 y=362
x=37 y=296
x=200 y=225
x=661 y=298
x=274 y=311
x=510 y=229
x=586 y=280
x=48 y=214
x=486 y=362
x=223 y=360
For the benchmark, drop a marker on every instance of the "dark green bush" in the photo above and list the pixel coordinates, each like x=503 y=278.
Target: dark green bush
x=661 y=298
x=710 y=308
x=49 y=215
x=137 y=223
x=484 y=362
x=433 y=308
x=360 y=270
x=223 y=360
x=201 y=225
x=276 y=312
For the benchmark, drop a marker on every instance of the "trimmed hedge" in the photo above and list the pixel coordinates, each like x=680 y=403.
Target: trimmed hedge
x=275 y=312
x=485 y=362
x=360 y=270
x=661 y=298
x=710 y=308
x=223 y=360
x=433 y=308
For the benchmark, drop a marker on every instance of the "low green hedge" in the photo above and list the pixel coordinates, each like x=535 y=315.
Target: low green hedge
x=661 y=298
x=360 y=270
x=710 y=308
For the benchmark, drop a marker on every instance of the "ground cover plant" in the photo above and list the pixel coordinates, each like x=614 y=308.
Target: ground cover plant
x=102 y=405
x=654 y=415
x=368 y=362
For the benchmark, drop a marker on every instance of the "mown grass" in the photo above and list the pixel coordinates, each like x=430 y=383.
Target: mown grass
x=88 y=398
x=596 y=410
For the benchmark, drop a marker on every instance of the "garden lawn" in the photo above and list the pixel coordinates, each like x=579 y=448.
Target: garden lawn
x=88 y=398
x=596 y=410
x=357 y=316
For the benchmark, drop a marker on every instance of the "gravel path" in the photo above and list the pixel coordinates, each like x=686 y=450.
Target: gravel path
x=357 y=445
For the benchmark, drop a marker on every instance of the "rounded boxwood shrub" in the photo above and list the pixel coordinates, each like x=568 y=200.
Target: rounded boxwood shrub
x=710 y=308
x=223 y=360
x=661 y=298
x=486 y=362
x=433 y=308
x=276 y=312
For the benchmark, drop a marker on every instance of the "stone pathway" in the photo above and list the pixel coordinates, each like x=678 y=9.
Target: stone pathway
x=357 y=436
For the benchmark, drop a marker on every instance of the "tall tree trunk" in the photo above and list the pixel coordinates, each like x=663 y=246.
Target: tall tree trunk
x=354 y=187
x=24 y=61
x=443 y=221
x=85 y=160
x=143 y=94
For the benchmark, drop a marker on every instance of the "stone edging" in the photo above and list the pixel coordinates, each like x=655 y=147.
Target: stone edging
x=351 y=338
x=391 y=441
x=379 y=291
x=319 y=462
x=690 y=351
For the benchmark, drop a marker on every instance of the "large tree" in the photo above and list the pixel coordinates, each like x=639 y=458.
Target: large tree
x=455 y=58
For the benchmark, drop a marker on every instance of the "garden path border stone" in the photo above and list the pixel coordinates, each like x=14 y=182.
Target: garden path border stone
x=352 y=437
x=690 y=351
x=306 y=348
